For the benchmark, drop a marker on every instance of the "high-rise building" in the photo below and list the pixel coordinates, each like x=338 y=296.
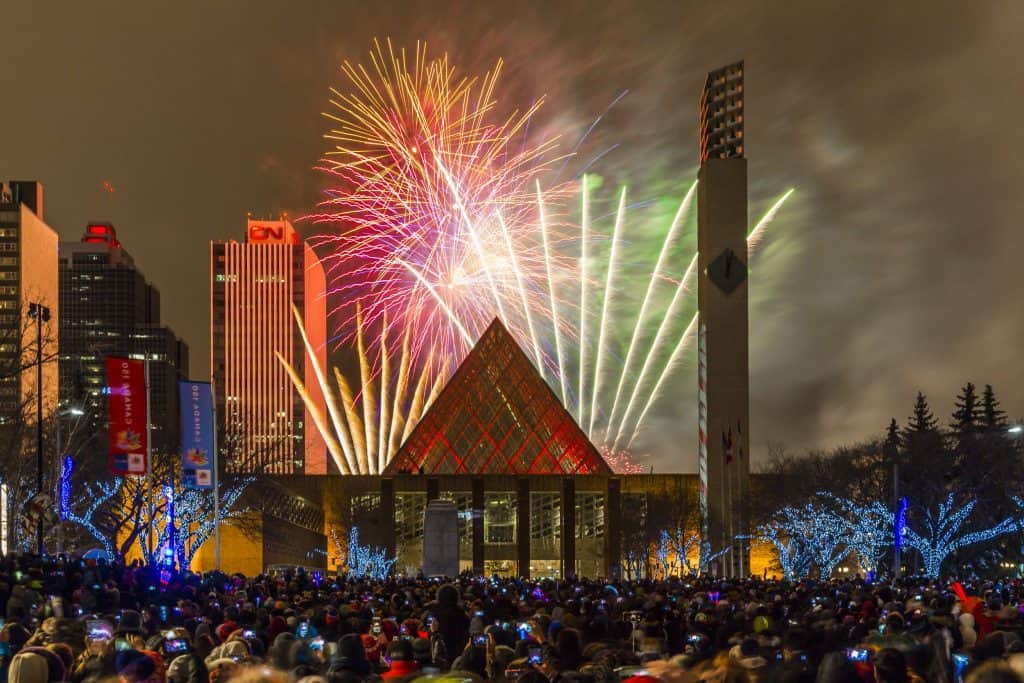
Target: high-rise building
x=28 y=287
x=722 y=293
x=263 y=423
x=109 y=309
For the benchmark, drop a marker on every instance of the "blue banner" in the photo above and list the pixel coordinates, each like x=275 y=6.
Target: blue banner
x=197 y=453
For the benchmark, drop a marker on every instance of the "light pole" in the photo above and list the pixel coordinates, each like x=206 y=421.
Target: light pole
x=40 y=314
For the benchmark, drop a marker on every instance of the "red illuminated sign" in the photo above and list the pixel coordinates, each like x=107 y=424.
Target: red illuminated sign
x=272 y=232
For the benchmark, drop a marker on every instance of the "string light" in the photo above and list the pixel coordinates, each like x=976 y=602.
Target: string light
x=367 y=561
x=97 y=494
x=67 y=468
x=805 y=537
x=870 y=527
x=939 y=538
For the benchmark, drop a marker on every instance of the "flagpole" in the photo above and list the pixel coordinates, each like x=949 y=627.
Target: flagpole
x=732 y=511
x=216 y=481
x=149 y=462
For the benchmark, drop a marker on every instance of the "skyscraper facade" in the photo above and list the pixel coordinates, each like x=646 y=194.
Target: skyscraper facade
x=109 y=309
x=28 y=279
x=722 y=341
x=256 y=286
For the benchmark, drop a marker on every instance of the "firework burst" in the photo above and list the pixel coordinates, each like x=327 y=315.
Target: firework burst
x=430 y=188
x=437 y=221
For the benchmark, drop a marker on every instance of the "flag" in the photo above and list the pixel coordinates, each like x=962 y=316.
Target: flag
x=739 y=437
x=126 y=405
x=197 y=453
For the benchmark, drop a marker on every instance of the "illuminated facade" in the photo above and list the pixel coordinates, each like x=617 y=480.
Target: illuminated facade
x=722 y=335
x=254 y=286
x=497 y=415
x=109 y=309
x=28 y=275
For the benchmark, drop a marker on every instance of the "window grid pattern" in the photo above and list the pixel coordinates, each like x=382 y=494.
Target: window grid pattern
x=464 y=505
x=497 y=415
x=545 y=516
x=589 y=515
x=409 y=509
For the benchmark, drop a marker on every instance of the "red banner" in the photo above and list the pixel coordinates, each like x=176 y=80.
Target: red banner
x=126 y=403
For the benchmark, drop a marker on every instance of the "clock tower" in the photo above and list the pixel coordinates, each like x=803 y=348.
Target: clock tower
x=722 y=295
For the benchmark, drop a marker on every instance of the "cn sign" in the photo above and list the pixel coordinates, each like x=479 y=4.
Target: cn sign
x=272 y=232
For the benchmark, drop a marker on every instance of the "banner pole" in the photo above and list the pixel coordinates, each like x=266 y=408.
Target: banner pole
x=149 y=462
x=216 y=481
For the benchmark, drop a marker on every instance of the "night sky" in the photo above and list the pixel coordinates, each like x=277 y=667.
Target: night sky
x=895 y=267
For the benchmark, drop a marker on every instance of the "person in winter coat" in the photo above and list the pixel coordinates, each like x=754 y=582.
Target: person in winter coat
x=451 y=620
x=403 y=663
x=748 y=655
x=967 y=631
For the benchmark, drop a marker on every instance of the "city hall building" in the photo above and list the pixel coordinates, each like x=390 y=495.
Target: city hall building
x=534 y=496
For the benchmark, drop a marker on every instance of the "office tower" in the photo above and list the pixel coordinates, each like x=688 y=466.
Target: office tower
x=109 y=309
x=255 y=285
x=29 y=306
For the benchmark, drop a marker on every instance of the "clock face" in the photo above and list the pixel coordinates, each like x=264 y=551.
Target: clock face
x=727 y=271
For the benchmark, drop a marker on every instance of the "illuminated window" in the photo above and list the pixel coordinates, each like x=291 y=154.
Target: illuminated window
x=500 y=518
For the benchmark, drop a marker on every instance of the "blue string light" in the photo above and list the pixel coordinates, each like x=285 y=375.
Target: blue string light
x=939 y=537
x=367 y=561
x=66 y=470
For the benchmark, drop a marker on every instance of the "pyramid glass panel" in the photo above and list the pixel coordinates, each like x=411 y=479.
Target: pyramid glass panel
x=497 y=415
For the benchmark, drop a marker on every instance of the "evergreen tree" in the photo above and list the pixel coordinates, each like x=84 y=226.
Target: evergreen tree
x=893 y=441
x=922 y=420
x=928 y=466
x=993 y=418
x=967 y=415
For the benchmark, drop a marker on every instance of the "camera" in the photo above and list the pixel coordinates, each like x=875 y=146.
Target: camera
x=857 y=654
x=533 y=655
x=480 y=640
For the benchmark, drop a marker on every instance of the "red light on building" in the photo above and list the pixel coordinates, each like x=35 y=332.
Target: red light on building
x=497 y=415
x=272 y=232
x=254 y=286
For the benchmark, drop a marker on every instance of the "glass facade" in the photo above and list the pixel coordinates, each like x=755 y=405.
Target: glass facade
x=109 y=309
x=497 y=415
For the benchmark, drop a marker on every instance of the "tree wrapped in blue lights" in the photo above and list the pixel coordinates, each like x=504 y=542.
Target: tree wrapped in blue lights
x=97 y=496
x=672 y=555
x=807 y=537
x=193 y=522
x=869 y=527
x=940 y=536
x=367 y=561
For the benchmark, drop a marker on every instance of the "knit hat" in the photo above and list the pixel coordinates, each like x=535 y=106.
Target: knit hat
x=129 y=622
x=58 y=672
x=29 y=667
x=421 y=650
x=134 y=665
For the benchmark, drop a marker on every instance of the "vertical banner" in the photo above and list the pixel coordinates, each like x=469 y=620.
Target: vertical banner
x=126 y=405
x=197 y=456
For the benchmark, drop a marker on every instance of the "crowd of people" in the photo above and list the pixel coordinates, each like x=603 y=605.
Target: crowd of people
x=83 y=621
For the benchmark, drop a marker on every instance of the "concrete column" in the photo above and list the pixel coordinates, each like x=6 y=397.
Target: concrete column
x=523 y=526
x=613 y=529
x=387 y=514
x=478 y=526
x=568 y=510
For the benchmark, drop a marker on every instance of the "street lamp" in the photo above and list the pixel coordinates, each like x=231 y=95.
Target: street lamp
x=1016 y=430
x=41 y=314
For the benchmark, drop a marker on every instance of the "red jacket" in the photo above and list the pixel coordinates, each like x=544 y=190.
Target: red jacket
x=400 y=669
